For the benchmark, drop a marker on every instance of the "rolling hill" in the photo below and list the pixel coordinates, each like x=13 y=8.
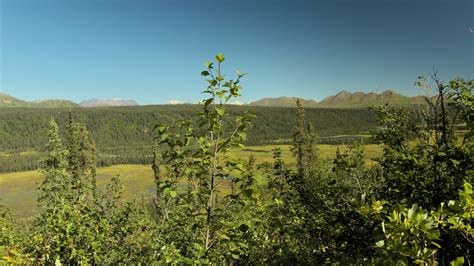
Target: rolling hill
x=9 y=101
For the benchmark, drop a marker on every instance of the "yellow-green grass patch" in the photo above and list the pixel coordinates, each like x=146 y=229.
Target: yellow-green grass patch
x=18 y=190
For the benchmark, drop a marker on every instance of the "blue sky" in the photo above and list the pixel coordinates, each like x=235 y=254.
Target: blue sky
x=153 y=51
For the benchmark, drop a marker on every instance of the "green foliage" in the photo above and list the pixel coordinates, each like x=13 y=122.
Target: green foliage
x=430 y=174
x=76 y=223
x=413 y=206
x=329 y=204
x=9 y=241
x=284 y=237
x=413 y=235
x=64 y=229
x=410 y=234
x=433 y=170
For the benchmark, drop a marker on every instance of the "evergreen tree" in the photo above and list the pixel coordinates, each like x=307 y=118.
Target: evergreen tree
x=304 y=143
x=81 y=159
x=311 y=150
x=88 y=160
x=299 y=139
x=56 y=178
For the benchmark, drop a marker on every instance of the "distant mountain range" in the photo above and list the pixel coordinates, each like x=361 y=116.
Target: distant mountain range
x=105 y=103
x=343 y=99
x=10 y=101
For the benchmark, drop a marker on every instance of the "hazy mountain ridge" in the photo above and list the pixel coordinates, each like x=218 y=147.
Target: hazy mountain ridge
x=10 y=101
x=107 y=103
x=344 y=99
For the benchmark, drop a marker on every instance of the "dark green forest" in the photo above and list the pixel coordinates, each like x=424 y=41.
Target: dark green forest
x=413 y=206
x=124 y=134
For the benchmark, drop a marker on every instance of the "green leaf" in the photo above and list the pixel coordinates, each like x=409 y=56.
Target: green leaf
x=173 y=193
x=220 y=58
x=380 y=243
x=220 y=111
x=240 y=74
x=412 y=210
x=164 y=137
x=468 y=187
x=459 y=261
x=436 y=244
x=205 y=73
x=161 y=129
x=208 y=101
x=225 y=237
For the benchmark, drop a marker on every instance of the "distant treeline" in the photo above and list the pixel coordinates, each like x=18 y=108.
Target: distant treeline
x=125 y=134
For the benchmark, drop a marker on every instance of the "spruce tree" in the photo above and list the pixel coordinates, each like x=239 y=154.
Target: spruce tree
x=299 y=139
x=81 y=159
x=56 y=178
x=88 y=162
x=304 y=141
x=311 y=150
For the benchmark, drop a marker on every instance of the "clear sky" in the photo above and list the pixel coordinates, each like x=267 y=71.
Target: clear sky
x=153 y=51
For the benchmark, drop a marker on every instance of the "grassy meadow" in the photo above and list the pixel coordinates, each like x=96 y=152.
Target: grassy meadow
x=18 y=190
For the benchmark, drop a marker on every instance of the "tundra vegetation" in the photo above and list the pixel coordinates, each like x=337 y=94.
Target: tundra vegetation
x=413 y=205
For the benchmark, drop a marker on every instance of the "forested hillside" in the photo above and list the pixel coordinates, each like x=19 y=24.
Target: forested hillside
x=124 y=134
x=24 y=129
